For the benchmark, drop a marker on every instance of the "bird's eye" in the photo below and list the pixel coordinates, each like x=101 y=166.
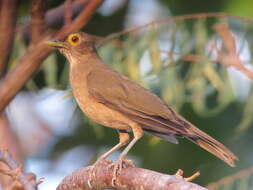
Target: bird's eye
x=74 y=39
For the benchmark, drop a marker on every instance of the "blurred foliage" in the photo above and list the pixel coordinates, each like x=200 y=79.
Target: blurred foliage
x=201 y=90
x=179 y=7
x=241 y=180
x=247 y=117
x=238 y=7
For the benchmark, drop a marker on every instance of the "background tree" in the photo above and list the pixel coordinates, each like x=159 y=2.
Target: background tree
x=199 y=63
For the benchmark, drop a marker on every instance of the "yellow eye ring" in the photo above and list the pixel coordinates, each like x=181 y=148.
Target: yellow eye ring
x=73 y=39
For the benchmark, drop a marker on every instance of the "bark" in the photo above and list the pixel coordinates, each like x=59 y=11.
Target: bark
x=8 y=12
x=130 y=178
x=37 y=22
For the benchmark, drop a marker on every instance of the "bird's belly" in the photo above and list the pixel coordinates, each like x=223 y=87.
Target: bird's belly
x=104 y=115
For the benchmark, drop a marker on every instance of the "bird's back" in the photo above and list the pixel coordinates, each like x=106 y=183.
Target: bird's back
x=115 y=101
x=119 y=93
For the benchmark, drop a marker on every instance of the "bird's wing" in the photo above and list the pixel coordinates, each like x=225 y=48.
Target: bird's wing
x=127 y=97
x=121 y=94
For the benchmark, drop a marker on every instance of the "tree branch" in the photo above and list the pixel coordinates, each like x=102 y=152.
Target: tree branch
x=9 y=141
x=243 y=174
x=37 y=22
x=30 y=62
x=27 y=180
x=8 y=11
x=55 y=16
x=81 y=20
x=230 y=57
x=100 y=177
x=176 y=19
x=67 y=12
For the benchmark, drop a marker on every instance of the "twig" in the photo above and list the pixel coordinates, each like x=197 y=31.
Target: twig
x=230 y=57
x=189 y=57
x=9 y=141
x=100 y=177
x=37 y=22
x=229 y=179
x=16 y=172
x=223 y=31
x=176 y=19
x=8 y=11
x=67 y=12
x=30 y=62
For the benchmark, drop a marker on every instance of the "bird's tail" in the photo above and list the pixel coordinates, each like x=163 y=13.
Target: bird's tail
x=213 y=146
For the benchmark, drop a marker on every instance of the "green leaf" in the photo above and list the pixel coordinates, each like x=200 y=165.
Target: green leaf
x=49 y=67
x=247 y=118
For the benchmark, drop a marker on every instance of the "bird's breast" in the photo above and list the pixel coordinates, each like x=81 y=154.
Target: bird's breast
x=95 y=110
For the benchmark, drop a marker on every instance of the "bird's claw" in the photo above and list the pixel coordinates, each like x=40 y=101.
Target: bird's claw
x=117 y=167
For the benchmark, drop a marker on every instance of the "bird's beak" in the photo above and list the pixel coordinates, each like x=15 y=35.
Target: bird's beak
x=56 y=44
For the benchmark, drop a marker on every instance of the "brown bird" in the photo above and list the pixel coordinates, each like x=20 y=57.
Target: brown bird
x=115 y=101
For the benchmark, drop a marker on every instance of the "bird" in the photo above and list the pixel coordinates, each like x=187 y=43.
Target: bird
x=113 y=100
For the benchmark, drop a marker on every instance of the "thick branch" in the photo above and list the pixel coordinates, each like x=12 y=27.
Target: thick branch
x=67 y=12
x=37 y=22
x=55 y=16
x=130 y=178
x=31 y=61
x=8 y=10
x=81 y=20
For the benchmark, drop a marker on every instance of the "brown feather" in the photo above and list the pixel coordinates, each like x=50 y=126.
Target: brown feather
x=143 y=107
x=212 y=146
x=113 y=100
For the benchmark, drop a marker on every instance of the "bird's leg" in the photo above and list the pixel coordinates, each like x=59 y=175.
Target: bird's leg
x=138 y=133
x=123 y=140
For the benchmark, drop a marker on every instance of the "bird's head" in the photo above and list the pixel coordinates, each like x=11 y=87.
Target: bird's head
x=75 y=45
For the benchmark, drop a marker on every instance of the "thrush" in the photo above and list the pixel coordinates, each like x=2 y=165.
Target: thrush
x=113 y=100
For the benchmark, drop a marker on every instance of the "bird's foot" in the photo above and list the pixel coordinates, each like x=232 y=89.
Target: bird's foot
x=92 y=172
x=117 y=167
x=180 y=173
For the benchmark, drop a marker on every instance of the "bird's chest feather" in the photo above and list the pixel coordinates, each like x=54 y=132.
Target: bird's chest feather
x=95 y=110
